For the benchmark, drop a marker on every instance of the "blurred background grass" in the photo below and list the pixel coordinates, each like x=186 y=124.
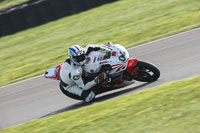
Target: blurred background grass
x=127 y=22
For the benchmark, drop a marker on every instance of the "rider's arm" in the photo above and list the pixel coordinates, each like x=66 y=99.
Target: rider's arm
x=76 y=78
x=90 y=48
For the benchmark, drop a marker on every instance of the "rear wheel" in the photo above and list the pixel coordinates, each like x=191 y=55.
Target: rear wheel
x=146 y=72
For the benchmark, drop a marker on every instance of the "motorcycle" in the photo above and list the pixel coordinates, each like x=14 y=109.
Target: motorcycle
x=114 y=60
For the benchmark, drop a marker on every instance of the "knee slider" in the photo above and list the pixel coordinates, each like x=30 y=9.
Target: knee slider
x=88 y=96
x=85 y=94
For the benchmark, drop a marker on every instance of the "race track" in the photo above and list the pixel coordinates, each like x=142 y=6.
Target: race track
x=177 y=57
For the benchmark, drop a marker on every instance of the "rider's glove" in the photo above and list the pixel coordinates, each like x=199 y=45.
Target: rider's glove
x=107 y=55
x=101 y=78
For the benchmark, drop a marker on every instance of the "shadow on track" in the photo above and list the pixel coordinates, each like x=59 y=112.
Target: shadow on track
x=98 y=99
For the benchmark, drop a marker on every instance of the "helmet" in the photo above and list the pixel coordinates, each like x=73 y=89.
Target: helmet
x=77 y=54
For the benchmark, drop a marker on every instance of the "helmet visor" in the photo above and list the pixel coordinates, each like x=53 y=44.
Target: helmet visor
x=79 y=58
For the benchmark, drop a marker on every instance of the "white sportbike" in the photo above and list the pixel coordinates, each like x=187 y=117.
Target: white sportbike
x=115 y=61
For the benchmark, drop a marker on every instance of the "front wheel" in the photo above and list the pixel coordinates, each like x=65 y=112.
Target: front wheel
x=146 y=72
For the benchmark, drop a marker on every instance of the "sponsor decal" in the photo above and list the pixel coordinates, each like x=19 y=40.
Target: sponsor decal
x=117 y=66
x=76 y=77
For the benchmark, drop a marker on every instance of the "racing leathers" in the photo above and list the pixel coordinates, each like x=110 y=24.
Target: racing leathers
x=71 y=78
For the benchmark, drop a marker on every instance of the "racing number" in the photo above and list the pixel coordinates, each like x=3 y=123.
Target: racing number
x=122 y=56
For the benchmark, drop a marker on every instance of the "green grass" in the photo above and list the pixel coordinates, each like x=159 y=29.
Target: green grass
x=9 y=3
x=128 y=22
x=170 y=108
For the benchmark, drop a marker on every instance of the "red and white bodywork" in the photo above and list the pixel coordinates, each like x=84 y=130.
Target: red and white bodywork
x=118 y=59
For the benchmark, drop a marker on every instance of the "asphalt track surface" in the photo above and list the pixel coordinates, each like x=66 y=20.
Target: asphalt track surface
x=177 y=57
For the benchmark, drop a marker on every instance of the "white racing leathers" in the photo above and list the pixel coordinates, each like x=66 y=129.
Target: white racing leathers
x=71 y=81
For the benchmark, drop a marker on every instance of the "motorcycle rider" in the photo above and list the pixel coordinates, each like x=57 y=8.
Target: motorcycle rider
x=71 y=73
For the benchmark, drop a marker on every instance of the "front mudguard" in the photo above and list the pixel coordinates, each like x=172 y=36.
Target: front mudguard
x=130 y=66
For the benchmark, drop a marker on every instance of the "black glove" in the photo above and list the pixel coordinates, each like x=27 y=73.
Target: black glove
x=101 y=78
x=107 y=55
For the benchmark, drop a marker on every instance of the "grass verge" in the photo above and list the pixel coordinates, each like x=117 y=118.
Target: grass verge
x=170 y=108
x=9 y=3
x=128 y=22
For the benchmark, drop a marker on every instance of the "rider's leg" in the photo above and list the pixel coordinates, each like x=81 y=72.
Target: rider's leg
x=87 y=95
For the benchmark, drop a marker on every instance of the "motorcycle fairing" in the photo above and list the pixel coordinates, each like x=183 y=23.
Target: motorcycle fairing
x=54 y=72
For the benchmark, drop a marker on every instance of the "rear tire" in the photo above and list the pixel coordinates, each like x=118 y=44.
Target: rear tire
x=146 y=72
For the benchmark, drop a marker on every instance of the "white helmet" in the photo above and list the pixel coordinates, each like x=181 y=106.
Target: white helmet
x=77 y=54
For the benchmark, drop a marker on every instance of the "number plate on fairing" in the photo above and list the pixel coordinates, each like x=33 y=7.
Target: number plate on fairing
x=118 y=60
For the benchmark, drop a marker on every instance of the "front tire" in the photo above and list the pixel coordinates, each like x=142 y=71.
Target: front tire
x=146 y=72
